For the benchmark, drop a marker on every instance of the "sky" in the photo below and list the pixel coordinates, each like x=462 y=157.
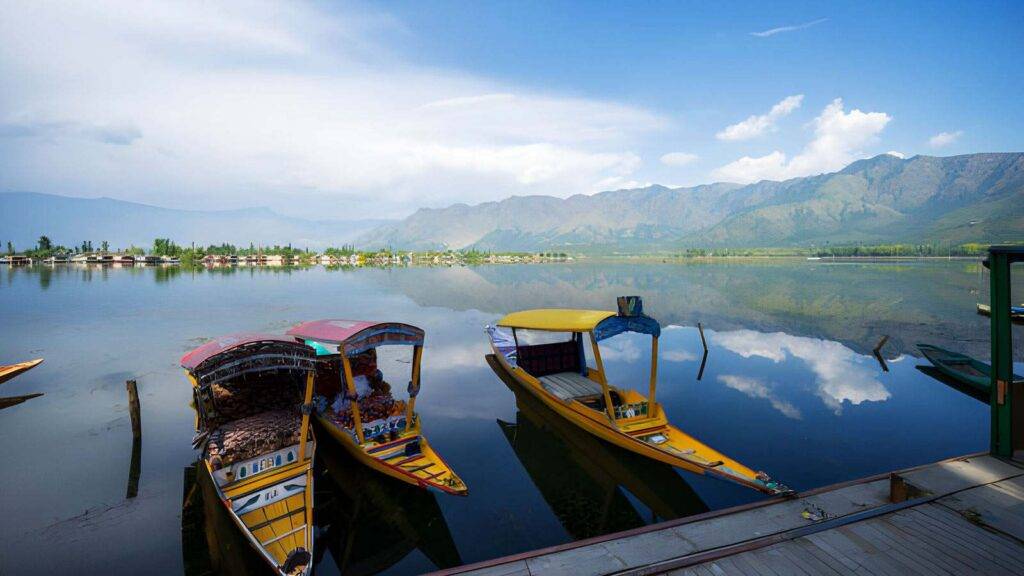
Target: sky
x=372 y=110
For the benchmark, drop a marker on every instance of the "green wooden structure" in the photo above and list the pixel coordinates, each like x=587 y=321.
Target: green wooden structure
x=1007 y=396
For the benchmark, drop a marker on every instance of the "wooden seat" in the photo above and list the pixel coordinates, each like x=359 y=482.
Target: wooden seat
x=570 y=385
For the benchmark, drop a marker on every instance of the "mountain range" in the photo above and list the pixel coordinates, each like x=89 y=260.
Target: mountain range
x=970 y=198
x=69 y=221
x=885 y=199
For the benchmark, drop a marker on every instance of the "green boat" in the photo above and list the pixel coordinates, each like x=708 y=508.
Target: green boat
x=961 y=367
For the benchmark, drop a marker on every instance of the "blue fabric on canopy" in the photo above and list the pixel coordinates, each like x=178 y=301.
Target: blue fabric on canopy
x=614 y=325
x=323 y=349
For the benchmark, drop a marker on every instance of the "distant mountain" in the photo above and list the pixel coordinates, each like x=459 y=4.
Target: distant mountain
x=69 y=221
x=971 y=198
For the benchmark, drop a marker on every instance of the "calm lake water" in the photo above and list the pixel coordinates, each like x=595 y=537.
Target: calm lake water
x=790 y=387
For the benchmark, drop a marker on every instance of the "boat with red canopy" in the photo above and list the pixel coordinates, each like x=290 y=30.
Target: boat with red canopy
x=252 y=395
x=355 y=405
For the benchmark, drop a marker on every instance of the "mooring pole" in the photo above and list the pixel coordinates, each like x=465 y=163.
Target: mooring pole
x=703 y=342
x=878 y=353
x=135 y=468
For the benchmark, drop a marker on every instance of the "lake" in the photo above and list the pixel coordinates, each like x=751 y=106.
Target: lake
x=789 y=386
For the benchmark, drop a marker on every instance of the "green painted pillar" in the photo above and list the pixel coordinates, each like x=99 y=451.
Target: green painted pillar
x=1004 y=427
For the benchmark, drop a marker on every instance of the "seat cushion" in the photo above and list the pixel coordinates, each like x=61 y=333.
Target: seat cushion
x=569 y=385
x=254 y=435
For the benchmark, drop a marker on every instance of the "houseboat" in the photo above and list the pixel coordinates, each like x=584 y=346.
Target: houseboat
x=17 y=260
x=150 y=260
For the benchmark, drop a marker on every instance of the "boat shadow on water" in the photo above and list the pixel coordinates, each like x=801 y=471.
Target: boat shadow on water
x=210 y=541
x=368 y=522
x=585 y=480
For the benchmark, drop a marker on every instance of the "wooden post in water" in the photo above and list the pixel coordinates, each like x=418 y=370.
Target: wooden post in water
x=878 y=353
x=135 y=468
x=704 y=358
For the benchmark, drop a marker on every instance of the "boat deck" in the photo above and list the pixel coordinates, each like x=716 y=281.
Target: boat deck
x=954 y=517
x=570 y=385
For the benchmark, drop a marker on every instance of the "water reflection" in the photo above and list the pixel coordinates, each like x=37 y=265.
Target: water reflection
x=369 y=523
x=840 y=374
x=585 y=480
x=789 y=339
x=210 y=542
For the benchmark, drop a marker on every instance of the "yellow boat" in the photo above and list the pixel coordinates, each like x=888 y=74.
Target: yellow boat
x=557 y=374
x=387 y=438
x=257 y=444
x=12 y=370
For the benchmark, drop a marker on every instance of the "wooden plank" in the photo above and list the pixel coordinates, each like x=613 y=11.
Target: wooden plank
x=821 y=543
x=906 y=532
x=941 y=539
x=866 y=553
x=745 y=567
x=952 y=544
x=865 y=558
x=977 y=540
x=807 y=562
x=906 y=562
x=778 y=562
x=824 y=557
x=982 y=540
x=997 y=508
x=908 y=547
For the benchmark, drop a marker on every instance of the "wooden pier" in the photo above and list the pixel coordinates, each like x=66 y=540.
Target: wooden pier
x=960 y=516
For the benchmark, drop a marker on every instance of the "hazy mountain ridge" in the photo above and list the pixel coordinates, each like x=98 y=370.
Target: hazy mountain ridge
x=975 y=197
x=69 y=221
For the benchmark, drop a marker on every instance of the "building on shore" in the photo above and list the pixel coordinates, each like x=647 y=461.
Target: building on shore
x=17 y=260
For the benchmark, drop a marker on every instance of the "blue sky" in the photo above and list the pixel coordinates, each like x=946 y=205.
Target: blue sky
x=376 y=109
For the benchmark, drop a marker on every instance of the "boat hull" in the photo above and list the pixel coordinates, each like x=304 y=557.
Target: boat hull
x=12 y=370
x=429 y=471
x=700 y=461
x=961 y=367
x=273 y=511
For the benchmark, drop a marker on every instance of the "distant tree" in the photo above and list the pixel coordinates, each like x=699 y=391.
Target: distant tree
x=44 y=243
x=104 y=246
x=10 y=248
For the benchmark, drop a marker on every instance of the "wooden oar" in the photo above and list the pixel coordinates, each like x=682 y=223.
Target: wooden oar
x=15 y=400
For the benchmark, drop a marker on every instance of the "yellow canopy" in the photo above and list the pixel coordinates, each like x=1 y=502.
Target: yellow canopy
x=556 y=319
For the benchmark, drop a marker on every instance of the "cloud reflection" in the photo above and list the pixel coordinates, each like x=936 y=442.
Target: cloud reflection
x=842 y=375
x=756 y=388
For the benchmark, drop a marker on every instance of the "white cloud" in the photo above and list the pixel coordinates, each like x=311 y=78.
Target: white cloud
x=757 y=125
x=678 y=158
x=899 y=155
x=756 y=388
x=623 y=349
x=841 y=374
x=943 y=139
x=678 y=356
x=839 y=137
x=618 y=183
x=791 y=28
x=292 y=105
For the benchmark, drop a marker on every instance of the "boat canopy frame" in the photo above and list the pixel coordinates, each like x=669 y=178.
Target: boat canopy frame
x=354 y=337
x=234 y=355
x=600 y=325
